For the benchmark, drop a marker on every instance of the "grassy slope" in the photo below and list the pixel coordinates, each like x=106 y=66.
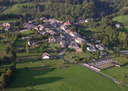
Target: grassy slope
x=18 y=9
x=5 y=21
x=73 y=78
x=121 y=19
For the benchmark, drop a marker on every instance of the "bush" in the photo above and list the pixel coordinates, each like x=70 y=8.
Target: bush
x=5 y=80
x=9 y=73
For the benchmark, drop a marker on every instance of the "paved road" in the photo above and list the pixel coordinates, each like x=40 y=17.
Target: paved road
x=114 y=80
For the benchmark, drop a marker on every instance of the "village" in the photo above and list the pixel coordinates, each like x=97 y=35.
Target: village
x=59 y=33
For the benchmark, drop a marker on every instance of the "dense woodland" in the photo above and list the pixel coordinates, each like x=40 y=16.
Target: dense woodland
x=70 y=9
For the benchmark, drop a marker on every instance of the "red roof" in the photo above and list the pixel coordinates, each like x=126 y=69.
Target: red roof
x=67 y=23
x=68 y=31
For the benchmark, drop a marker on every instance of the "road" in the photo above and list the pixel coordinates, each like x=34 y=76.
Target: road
x=60 y=55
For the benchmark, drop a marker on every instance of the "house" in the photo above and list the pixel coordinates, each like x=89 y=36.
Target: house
x=43 y=18
x=81 y=20
x=62 y=36
x=91 y=48
x=102 y=54
x=118 y=25
x=7 y=28
x=25 y=25
x=54 y=39
x=52 y=32
x=32 y=43
x=42 y=32
x=68 y=31
x=36 y=28
x=88 y=19
x=73 y=45
x=52 y=20
x=46 y=56
x=67 y=23
x=24 y=38
x=41 y=28
x=8 y=24
x=98 y=41
x=79 y=40
x=63 y=44
x=63 y=27
x=100 y=47
x=23 y=30
x=74 y=34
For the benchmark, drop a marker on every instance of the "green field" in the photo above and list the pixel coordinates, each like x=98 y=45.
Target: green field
x=121 y=19
x=20 y=8
x=120 y=59
x=5 y=21
x=71 y=78
x=116 y=72
x=25 y=33
x=70 y=55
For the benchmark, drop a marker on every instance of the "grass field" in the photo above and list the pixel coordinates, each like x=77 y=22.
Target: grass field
x=5 y=21
x=25 y=33
x=116 y=72
x=20 y=8
x=70 y=55
x=121 y=19
x=120 y=59
x=71 y=78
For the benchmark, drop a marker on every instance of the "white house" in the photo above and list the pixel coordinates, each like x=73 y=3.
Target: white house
x=100 y=46
x=118 y=25
x=46 y=56
x=91 y=49
x=79 y=40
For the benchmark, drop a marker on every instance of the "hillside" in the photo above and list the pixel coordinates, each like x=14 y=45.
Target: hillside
x=64 y=10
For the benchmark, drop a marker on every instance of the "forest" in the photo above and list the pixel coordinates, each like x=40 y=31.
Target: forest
x=64 y=9
x=102 y=12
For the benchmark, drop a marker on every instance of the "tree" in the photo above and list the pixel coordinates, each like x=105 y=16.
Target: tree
x=5 y=80
x=27 y=47
x=83 y=46
x=41 y=48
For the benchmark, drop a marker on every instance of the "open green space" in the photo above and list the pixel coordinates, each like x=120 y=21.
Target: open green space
x=72 y=55
x=9 y=20
x=120 y=59
x=121 y=19
x=71 y=78
x=20 y=8
x=25 y=33
x=117 y=72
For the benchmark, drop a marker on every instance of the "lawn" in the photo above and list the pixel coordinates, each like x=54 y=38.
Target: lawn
x=9 y=20
x=25 y=33
x=116 y=72
x=72 y=55
x=71 y=78
x=121 y=19
x=120 y=59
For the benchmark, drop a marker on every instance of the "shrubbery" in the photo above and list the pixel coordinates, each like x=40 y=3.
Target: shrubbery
x=7 y=77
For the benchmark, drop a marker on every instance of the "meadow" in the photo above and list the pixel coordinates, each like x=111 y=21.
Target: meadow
x=69 y=78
